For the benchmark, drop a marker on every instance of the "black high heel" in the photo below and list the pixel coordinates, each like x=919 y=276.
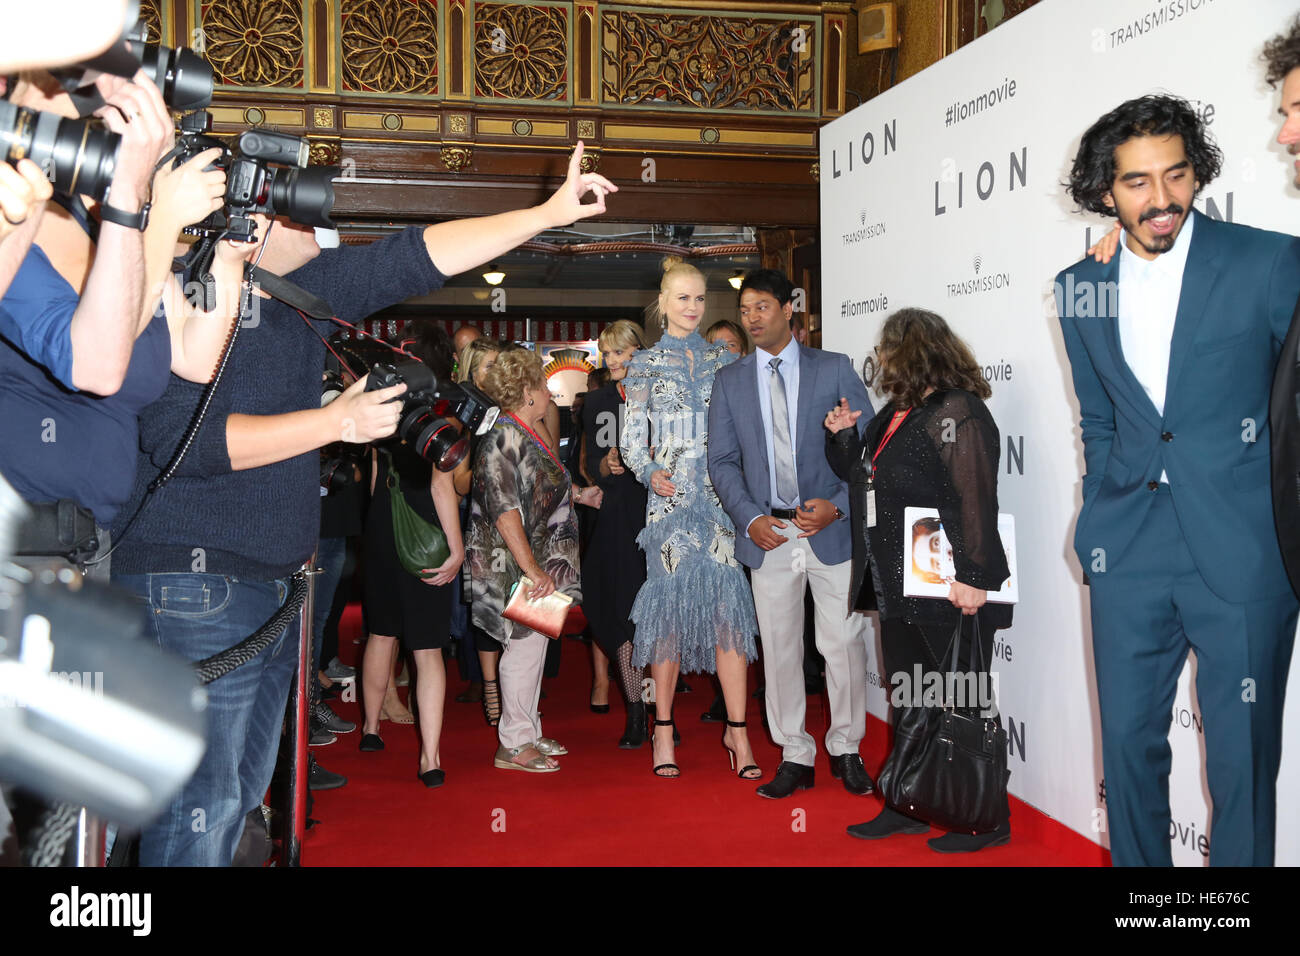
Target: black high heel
x=743 y=772
x=664 y=766
x=491 y=702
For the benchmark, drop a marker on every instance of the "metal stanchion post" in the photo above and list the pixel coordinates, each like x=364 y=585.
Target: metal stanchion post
x=89 y=843
x=295 y=824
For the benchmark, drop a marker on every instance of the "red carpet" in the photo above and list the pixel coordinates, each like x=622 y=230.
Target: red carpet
x=605 y=808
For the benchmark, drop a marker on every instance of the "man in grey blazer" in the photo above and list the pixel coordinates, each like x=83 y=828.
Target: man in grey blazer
x=768 y=465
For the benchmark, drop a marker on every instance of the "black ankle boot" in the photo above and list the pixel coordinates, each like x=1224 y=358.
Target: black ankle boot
x=634 y=735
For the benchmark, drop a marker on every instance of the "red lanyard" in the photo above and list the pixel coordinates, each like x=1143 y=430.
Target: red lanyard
x=545 y=447
x=899 y=418
x=622 y=392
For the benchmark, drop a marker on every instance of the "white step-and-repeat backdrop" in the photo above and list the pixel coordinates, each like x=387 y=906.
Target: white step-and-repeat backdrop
x=945 y=193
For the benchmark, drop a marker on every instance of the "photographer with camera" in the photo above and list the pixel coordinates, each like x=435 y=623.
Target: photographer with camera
x=86 y=342
x=213 y=550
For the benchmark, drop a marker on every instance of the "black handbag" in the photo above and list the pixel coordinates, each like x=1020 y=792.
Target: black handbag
x=949 y=764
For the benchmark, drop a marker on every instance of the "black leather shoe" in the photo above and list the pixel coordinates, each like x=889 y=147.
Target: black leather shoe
x=634 y=734
x=433 y=778
x=789 y=778
x=888 y=823
x=371 y=742
x=849 y=768
x=970 y=842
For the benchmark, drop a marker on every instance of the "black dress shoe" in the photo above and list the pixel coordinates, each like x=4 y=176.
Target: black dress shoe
x=371 y=742
x=888 y=823
x=789 y=778
x=848 y=767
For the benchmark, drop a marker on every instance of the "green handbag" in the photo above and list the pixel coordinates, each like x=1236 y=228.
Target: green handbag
x=420 y=544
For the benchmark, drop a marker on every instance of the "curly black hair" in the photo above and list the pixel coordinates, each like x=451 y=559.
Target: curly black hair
x=1093 y=173
x=1282 y=54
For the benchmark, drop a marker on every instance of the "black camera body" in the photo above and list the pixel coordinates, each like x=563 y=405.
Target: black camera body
x=426 y=405
x=266 y=173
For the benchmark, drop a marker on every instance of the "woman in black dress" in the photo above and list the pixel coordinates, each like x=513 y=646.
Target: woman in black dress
x=935 y=445
x=613 y=568
x=399 y=605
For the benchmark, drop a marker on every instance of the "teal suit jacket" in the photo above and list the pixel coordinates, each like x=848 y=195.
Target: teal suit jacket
x=1239 y=290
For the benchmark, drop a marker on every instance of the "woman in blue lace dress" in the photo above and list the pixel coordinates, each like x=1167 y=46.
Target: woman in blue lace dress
x=695 y=611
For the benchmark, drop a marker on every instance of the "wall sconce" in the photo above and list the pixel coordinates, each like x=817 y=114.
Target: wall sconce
x=737 y=279
x=494 y=275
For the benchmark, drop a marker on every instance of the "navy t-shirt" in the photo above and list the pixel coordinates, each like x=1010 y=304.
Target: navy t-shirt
x=259 y=523
x=59 y=442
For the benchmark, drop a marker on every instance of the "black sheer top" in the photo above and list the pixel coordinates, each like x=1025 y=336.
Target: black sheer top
x=944 y=455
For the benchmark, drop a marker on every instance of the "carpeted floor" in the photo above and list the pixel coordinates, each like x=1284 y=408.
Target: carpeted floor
x=605 y=808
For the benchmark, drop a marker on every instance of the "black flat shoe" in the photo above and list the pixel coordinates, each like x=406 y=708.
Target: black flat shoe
x=433 y=778
x=599 y=708
x=789 y=778
x=849 y=768
x=971 y=842
x=888 y=823
x=371 y=742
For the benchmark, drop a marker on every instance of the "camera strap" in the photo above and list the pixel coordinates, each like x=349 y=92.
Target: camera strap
x=291 y=295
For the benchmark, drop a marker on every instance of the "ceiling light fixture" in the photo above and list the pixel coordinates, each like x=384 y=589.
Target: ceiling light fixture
x=737 y=279
x=494 y=275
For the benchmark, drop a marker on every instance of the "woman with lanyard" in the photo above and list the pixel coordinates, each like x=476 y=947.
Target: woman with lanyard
x=934 y=444
x=521 y=523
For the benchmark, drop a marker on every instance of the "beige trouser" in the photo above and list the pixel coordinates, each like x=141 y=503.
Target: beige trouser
x=778 y=598
x=523 y=658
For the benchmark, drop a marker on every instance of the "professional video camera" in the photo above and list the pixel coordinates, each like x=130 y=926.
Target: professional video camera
x=254 y=184
x=427 y=402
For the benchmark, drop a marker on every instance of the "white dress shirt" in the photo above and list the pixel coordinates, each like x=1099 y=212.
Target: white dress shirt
x=1148 y=307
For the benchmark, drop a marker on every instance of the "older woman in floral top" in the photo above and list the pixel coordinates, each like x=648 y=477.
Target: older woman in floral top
x=521 y=522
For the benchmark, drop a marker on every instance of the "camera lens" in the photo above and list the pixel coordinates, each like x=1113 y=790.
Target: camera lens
x=434 y=438
x=79 y=158
x=306 y=196
x=182 y=76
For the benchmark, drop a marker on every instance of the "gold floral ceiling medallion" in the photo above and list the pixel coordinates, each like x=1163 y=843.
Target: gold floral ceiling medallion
x=390 y=46
x=254 y=42
x=520 y=52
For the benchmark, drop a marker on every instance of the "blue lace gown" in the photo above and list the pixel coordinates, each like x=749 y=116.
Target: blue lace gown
x=695 y=598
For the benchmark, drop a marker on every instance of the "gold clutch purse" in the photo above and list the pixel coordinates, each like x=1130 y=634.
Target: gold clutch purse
x=546 y=616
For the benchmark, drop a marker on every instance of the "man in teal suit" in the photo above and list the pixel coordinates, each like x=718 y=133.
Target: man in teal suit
x=1172 y=346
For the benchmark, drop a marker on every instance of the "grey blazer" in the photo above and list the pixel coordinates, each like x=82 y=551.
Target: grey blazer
x=738 y=459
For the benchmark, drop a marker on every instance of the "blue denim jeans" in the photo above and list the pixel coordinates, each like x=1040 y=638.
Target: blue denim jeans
x=198 y=615
x=331 y=555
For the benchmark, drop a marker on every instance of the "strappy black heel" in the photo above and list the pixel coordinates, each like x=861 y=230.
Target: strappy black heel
x=491 y=702
x=664 y=766
x=743 y=772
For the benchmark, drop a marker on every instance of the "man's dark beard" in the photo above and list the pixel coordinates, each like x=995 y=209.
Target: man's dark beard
x=1162 y=243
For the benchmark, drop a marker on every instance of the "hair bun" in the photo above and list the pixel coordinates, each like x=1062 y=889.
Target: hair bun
x=671 y=262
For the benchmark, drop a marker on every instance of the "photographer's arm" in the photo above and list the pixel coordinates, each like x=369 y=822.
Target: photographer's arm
x=182 y=196
x=197 y=337
x=463 y=244
x=106 y=323
x=356 y=416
